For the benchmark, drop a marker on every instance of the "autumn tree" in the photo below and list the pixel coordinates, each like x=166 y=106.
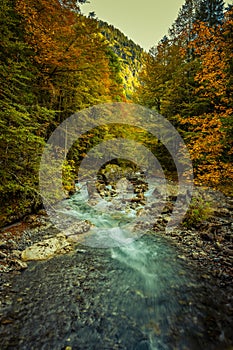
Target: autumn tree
x=209 y=133
x=71 y=55
x=159 y=67
x=188 y=79
x=53 y=62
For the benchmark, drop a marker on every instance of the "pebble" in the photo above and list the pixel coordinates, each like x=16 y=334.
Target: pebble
x=183 y=257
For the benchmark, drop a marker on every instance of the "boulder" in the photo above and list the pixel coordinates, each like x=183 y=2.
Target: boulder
x=77 y=228
x=47 y=249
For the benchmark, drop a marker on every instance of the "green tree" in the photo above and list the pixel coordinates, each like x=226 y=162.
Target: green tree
x=211 y=12
x=20 y=140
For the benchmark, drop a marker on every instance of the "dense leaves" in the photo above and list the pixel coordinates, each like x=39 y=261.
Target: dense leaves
x=20 y=139
x=53 y=62
x=188 y=78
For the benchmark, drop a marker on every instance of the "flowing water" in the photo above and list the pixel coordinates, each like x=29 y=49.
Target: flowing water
x=138 y=295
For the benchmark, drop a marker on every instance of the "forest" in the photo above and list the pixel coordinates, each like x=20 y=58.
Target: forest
x=188 y=79
x=128 y=255
x=55 y=61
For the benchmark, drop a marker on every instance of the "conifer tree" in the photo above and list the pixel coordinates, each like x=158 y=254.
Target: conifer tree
x=20 y=139
x=211 y=12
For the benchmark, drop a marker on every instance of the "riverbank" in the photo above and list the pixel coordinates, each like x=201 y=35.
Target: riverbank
x=208 y=245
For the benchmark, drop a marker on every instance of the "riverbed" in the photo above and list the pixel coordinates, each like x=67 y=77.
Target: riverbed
x=139 y=294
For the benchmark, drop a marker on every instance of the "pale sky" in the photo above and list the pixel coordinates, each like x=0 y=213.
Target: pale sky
x=144 y=21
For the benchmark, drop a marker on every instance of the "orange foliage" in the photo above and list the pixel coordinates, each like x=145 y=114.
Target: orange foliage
x=209 y=144
x=65 y=42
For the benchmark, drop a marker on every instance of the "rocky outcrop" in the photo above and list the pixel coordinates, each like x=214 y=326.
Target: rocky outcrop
x=62 y=243
x=37 y=239
x=47 y=249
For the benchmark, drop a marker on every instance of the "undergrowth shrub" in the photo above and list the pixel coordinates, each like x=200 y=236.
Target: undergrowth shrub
x=199 y=210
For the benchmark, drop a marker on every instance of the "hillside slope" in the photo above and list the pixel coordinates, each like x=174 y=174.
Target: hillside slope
x=130 y=56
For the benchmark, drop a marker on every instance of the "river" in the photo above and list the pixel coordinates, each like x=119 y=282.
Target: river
x=138 y=295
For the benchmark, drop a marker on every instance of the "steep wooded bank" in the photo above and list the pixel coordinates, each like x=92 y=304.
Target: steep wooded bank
x=53 y=62
x=188 y=79
x=130 y=56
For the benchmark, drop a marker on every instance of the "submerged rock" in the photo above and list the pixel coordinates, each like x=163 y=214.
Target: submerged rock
x=77 y=228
